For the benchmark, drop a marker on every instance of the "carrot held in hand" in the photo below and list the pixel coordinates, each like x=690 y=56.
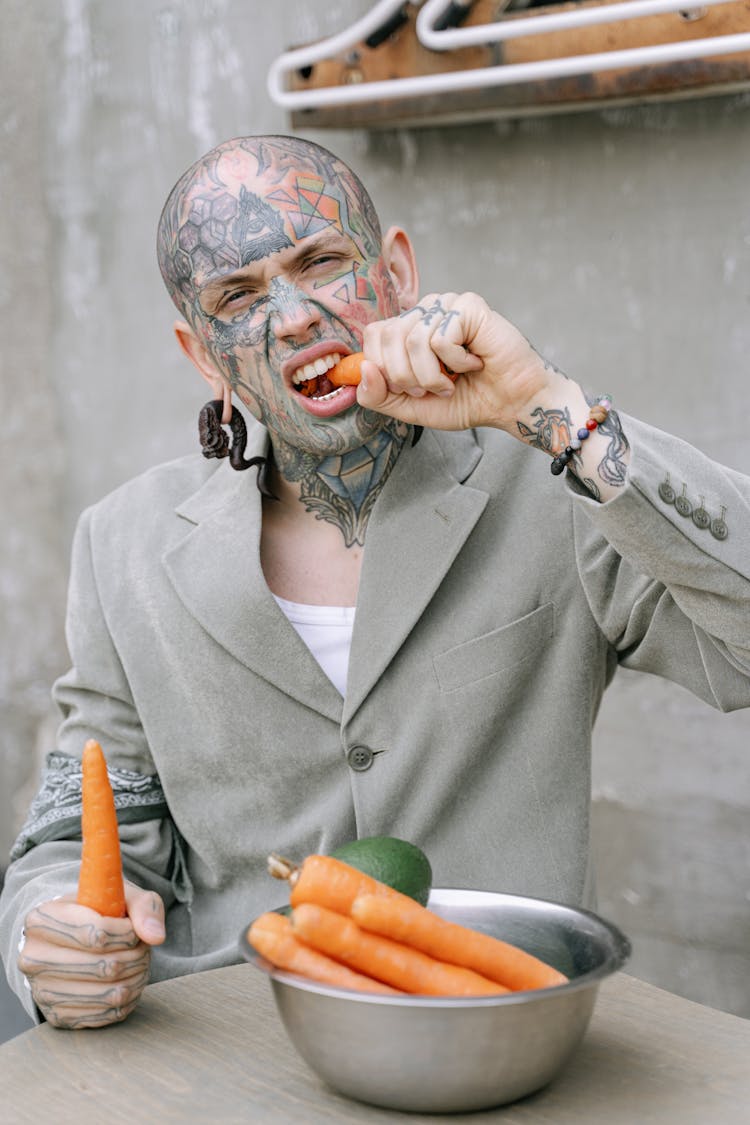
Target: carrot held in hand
x=402 y=919
x=271 y=935
x=100 y=884
x=324 y=880
x=348 y=371
x=389 y=961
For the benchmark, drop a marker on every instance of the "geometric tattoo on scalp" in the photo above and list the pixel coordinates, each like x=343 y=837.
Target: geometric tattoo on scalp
x=309 y=210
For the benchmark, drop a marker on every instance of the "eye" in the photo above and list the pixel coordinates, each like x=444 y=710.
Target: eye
x=325 y=259
x=238 y=298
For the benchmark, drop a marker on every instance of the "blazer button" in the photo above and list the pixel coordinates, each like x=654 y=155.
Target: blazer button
x=360 y=758
x=683 y=506
x=666 y=492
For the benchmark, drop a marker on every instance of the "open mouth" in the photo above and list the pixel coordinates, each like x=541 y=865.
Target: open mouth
x=312 y=380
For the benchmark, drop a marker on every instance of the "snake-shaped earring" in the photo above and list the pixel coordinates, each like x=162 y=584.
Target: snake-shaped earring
x=214 y=441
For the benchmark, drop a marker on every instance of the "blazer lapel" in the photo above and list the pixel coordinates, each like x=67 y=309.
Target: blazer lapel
x=217 y=575
x=417 y=528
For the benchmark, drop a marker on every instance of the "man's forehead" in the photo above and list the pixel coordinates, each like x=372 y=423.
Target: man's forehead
x=235 y=215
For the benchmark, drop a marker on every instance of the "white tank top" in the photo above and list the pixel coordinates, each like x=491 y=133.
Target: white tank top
x=327 y=632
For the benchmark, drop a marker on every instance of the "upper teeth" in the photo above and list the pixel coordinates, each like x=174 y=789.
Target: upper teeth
x=317 y=367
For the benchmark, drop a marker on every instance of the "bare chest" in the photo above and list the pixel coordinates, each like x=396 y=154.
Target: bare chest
x=309 y=562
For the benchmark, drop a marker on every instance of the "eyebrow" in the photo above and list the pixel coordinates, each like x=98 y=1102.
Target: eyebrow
x=218 y=287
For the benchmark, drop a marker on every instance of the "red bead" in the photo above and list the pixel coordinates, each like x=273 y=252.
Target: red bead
x=591 y=424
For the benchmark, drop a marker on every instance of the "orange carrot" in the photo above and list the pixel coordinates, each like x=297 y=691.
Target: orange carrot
x=100 y=883
x=271 y=934
x=395 y=964
x=348 y=371
x=400 y=918
x=326 y=881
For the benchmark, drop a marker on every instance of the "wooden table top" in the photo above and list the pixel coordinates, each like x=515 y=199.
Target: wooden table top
x=211 y=1048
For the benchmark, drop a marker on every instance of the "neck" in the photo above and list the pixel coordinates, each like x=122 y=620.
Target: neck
x=339 y=488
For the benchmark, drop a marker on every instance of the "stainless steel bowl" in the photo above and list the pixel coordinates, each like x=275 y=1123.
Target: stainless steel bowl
x=432 y=1055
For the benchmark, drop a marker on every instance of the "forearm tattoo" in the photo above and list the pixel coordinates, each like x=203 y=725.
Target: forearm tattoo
x=552 y=430
x=612 y=468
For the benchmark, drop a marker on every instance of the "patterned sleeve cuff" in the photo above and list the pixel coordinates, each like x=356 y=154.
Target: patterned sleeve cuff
x=55 y=812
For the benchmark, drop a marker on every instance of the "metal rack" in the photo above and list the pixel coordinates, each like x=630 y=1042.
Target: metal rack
x=446 y=60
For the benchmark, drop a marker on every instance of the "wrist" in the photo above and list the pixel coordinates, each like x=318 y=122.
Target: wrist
x=598 y=460
x=598 y=413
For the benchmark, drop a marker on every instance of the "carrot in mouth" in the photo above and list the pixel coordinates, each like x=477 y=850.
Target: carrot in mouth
x=348 y=371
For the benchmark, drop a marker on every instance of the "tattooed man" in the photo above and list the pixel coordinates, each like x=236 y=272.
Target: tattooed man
x=406 y=630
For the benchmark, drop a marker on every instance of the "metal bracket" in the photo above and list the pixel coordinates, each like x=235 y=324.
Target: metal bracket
x=497 y=63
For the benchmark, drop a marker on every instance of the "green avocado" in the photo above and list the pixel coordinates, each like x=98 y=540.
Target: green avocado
x=398 y=863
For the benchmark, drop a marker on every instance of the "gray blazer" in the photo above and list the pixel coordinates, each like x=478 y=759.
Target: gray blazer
x=495 y=604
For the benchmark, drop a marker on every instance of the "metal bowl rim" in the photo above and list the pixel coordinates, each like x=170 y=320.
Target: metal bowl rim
x=614 y=962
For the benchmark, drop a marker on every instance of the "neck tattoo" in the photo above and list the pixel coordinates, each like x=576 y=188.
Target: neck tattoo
x=342 y=488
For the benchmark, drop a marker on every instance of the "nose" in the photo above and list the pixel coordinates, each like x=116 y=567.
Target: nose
x=294 y=314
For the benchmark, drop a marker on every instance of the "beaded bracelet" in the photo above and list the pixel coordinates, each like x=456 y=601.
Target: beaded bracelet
x=597 y=414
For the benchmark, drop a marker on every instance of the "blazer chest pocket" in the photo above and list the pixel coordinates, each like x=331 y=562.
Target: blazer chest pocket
x=492 y=652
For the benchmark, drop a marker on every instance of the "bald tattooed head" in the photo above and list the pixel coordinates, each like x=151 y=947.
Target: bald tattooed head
x=250 y=197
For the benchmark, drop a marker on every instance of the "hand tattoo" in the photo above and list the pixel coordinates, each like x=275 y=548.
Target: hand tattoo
x=436 y=309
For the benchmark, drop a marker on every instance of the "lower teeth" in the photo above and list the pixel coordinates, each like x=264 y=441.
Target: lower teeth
x=331 y=394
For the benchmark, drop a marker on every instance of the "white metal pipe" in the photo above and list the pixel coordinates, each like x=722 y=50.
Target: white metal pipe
x=327 y=48
x=431 y=84
x=481 y=34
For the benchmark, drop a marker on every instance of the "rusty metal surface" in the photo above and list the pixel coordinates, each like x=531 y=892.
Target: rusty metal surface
x=402 y=55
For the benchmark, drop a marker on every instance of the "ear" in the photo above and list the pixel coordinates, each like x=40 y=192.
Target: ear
x=201 y=358
x=401 y=261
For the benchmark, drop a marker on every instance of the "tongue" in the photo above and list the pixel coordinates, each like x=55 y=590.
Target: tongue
x=316 y=387
x=324 y=386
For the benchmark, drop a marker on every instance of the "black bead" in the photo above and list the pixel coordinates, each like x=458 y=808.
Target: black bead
x=557 y=466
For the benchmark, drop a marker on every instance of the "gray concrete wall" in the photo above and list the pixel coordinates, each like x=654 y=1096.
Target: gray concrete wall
x=619 y=241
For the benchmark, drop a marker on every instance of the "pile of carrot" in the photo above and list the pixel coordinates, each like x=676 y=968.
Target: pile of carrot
x=348 y=930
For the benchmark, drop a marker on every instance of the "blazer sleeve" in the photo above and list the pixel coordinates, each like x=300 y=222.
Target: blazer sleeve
x=669 y=582
x=95 y=702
